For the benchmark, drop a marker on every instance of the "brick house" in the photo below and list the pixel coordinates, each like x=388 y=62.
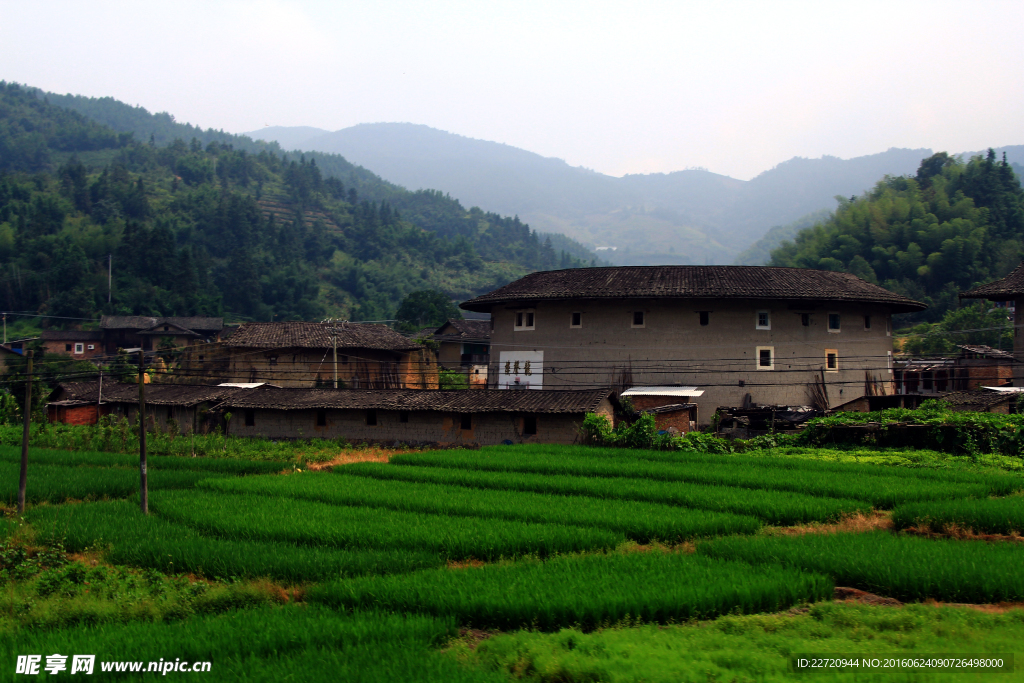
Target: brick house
x=80 y=345
x=1010 y=288
x=360 y=415
x=301 y=354
x=147 y=333
x=465 y=345
x=783 y=336
x=415 y=417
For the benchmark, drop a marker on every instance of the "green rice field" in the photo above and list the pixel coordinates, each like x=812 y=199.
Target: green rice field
x=533 y=547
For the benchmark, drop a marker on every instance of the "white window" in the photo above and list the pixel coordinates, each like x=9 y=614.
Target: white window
x=764 y=320
x=639 y=319
x=524 y=320
x=92 y=347
x=79 y=347
x=765 y=357
x=576 y=319
x=831 y=360
x=833 y=322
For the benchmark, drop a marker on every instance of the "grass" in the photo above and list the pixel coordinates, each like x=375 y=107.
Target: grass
x=991 y=515
x=587 y=590
x=293 y=643
x=46 y=456
x=260 y=518
x=908 y=568
x=127 y=537
x=641 y=522
x=56 y=484
x=881 y=491
x=775 y=507
x=752 y=648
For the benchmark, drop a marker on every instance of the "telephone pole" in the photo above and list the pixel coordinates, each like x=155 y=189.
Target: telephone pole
x=23 y=479
x=143 y=483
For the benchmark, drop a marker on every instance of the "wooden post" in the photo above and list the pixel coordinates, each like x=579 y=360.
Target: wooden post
x=23 y=479
x=143 y=483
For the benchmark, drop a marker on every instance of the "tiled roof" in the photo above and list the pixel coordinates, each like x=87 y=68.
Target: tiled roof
x=1009 y=287
x=156 y=394
x=984 y=350
x=71 y=335
x=697 y=282
x=464 y=330
x=318 y=336
x=462 y=401
x=981 y=401
x=142 y=322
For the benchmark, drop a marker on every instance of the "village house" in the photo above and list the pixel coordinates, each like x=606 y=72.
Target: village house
x=359 y=415
x=464 y=345
x=740 y=334
x=80 y=345
x=302 y=354
x=1010 y=288
x=150 y=333
x=976 y=366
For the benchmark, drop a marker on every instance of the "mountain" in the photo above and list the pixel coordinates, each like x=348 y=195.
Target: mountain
x=209 y=223
x=691 y=216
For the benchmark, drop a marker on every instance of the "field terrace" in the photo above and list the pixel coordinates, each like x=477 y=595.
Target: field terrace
x=497 y=564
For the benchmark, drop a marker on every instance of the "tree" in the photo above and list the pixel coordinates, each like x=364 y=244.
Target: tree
x=425 y=308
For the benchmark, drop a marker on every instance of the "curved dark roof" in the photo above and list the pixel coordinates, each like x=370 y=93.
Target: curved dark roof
x=1009 y=287
x=692 y=282
x=304 y=335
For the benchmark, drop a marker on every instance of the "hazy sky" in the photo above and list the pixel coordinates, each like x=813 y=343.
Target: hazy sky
x=619 y=87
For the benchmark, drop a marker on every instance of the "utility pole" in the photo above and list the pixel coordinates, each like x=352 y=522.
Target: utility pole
x=23 y=479
x=143 y=484
x=334 y=329
x=5 y=329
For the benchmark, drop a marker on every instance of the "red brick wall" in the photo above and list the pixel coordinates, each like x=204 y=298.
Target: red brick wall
x=680 y=419
x=73 y=415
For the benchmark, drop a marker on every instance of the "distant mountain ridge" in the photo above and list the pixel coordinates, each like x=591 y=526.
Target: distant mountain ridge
x=692 y=216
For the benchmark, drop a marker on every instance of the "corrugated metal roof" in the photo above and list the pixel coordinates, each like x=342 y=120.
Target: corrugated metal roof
x=693 y=282
x=663 y=391
x=319 y=336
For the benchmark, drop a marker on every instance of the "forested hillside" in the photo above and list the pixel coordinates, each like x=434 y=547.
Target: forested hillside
x=217 y=224
x=930 y=236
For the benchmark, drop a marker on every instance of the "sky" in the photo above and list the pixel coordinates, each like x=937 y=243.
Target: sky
x=617 y=87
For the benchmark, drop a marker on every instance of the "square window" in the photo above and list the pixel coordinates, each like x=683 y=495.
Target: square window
x=344 y=360
x=576 y=319
x=371 y=418
x=529 y=425
x=638 y=318
x=705 y=317
x=833 y=322
x=765 y=357
x=805 y=319
x=272 y=360
x=321 y=418
x=867 y=322
x=92 y=347
x=466 y=421
x=524 y=320
x=403 y=416
x=79 y=348
x=764 y=320
x=67 y=347
x=831 y=360
x=250 y=418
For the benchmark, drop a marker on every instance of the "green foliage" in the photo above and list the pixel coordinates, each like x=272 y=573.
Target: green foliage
x=959 y=432
x=641 y=522
x=749 y=647
x=222 y=224
x=951 y=227
x=425 y=308
x=253 y=517
x=776 y=507
x=975 y=323
x=294 y=643
x=903 y=567
x=586 y=591
x=138 y=540
x=991 y=515
x=213 y=466
x=880 y=489
x=451 y=379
